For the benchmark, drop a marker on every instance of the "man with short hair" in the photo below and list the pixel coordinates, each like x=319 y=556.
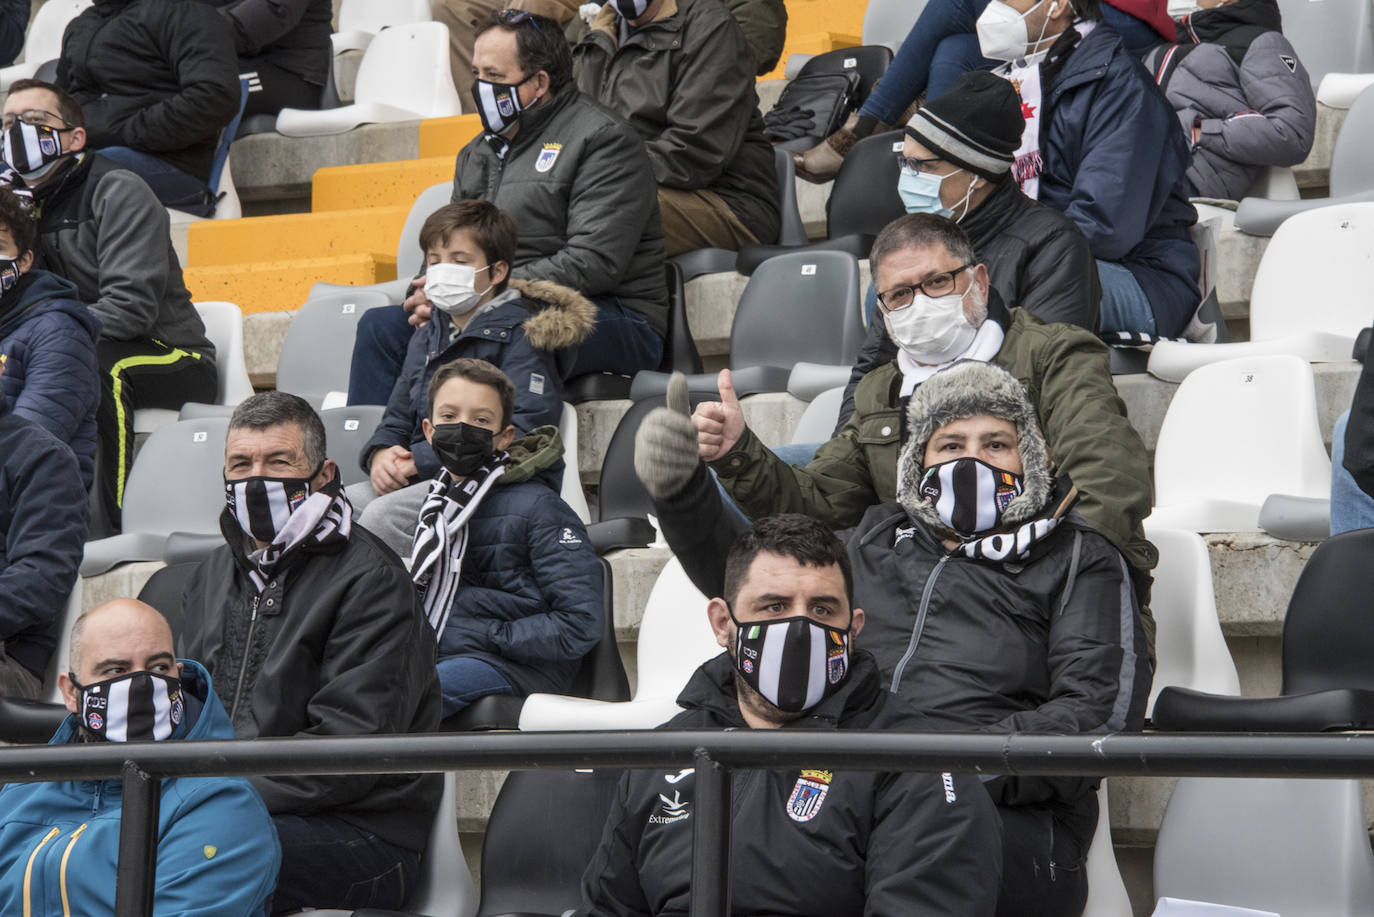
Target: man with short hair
x=311 y=626
x=59 y=841
x=820 y=840
x=682 y=73
x=102 y=229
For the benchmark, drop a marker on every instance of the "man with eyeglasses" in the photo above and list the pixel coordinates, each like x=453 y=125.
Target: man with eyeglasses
x=101 y=227
x=940 y=309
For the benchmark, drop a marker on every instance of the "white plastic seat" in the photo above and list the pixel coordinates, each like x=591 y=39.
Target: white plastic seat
x=361 y=20
x=1107 y=896
x=571 y=491
x=224 y=327
x=1236 y=432
x=1340 y=90
x=60 y=661
x=43 y=42
x=674 y=638
x=404 y=76
x=1310 y=295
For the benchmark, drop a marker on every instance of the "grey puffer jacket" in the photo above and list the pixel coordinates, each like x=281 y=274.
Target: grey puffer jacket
x=1234 y=76
x=580 y=187
x=685 y=82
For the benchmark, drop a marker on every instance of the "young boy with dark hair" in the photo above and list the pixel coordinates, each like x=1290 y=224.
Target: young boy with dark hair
x=502 y=565
x=528 y=329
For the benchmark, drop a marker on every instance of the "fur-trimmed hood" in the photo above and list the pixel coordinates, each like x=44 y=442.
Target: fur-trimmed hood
x=566 y=318
x=966 y=389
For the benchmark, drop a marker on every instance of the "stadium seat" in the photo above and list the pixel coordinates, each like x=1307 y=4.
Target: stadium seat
x=1340 y=90
x=224 y=327
x=799 y=306
x=404 y=76
x=869 y=61
x=347 y=430
x=817 y=422
x=164 y=591
x=318 y=347
x=887 y=22
x=1235 y=432
x=176 y=485
x=58 y=663
x=1310 y=295
x=544 y=829
x=43 y=42
x=1352 y=172
x=808 y=380
x=674 y=638
x=1107 y=895
x=445 y=886
x=1334 y=35
x=571 y=491
x=361 y=20
x=409 y=258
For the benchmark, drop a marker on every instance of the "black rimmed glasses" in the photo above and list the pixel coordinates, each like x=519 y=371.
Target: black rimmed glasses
x=36 y=117
x=934 y=286
x=912 y=164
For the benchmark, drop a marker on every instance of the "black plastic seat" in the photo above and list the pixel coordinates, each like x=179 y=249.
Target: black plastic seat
x=1328 y=640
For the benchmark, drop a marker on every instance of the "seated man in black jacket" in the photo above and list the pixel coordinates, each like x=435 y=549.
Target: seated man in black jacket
x=309 y=626
x=283 y=49
x=813 y=841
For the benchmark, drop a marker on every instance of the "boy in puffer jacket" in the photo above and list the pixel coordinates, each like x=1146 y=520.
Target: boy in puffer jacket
x=503 y=567
x=1243 y=98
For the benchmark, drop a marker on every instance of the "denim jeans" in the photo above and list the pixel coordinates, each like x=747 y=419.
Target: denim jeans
x=1351 y=508
x=328 y=863
x=622 y=342
x=173 y=187
x=1124 y=304
x=463 y=680
x=379 y=351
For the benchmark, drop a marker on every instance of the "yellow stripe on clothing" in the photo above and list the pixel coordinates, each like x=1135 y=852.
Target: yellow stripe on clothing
x=28 y=869
x=62 y=873
x=126 y=426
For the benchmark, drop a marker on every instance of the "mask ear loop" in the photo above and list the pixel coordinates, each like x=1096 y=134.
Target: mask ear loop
x=1035 y=47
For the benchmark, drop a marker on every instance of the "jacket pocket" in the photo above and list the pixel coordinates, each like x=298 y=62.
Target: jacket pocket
x=880 y=429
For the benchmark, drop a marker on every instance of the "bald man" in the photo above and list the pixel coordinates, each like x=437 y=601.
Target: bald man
x=217 y=850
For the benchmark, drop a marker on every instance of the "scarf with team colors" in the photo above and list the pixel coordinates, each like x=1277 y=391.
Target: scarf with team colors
x=325 y=518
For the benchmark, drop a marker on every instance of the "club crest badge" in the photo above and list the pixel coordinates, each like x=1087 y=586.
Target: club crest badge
x=47 y=144
x=808 y=795
x=836 y=659
x=504 y=105
x=547 y=157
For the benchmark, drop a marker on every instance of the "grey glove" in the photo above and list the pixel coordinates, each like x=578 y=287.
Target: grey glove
x=666 y=444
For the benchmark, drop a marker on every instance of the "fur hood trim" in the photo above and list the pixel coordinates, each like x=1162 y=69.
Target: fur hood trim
x=966 y=389
x=562 y=316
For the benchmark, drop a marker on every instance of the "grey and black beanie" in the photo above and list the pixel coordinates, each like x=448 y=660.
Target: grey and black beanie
x=967 y=389
x=976 y=125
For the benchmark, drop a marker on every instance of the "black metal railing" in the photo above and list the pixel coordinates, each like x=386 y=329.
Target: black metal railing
x=714 y=755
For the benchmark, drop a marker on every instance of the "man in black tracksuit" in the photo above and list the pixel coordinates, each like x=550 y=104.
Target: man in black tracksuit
x=284 y=51
x=807 y=840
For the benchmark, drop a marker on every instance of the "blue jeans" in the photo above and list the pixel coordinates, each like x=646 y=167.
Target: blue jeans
x=173 y=187
x=463 y=680
x=1124 y=304
x=622 y=342
x=379 y=351
x=328 y=863
x=1351 y=508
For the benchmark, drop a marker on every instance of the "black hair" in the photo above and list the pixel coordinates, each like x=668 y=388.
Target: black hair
x=793 y=535
x=539 y=42
x=269 y=409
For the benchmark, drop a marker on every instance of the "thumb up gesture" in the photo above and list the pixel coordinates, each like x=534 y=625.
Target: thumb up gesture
x=719 y=424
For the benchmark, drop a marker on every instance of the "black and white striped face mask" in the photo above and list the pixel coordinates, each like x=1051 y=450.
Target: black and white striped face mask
x=31 y=148
x=137 y=707
x=262 y=504
x=794 y=663
x=969 y=495
x=631 y=9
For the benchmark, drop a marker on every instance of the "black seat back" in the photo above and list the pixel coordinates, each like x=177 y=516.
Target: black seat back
x=869 y=61
x=164 y=592
x=543 y=831
x=602 y=673
x=620 y=493
x=865 y=198
x=679 y=350
x=1328 y=631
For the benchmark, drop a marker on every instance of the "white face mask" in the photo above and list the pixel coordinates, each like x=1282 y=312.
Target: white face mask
x=932 y=330
x=1002 y=31
x=452 y=287
x=1180 y=8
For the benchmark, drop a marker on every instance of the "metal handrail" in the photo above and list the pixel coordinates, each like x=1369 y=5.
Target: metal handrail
x=714 y=754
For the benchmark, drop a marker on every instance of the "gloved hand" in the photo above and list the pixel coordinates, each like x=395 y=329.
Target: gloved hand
x=666 y=443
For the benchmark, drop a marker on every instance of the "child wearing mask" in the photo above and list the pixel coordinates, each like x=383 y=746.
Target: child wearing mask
x=502 y=565
x=528 y=329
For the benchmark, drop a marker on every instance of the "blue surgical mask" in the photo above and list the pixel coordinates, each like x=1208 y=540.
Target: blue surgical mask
x=920 y=192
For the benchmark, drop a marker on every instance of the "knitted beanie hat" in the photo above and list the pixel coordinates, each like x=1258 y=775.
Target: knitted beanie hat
x=967 y=389
x=976 y=125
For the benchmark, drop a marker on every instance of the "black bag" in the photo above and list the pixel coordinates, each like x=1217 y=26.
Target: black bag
x=814 y=106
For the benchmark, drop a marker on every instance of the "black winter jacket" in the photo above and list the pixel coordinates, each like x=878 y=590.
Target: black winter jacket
x=578 y=183
x=336 y=644
x=685 y=81
x=290 y=34
x=100 y=227
x=159 y=76
x=874 y=844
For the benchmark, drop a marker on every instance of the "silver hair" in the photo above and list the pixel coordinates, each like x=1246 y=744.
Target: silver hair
x=270 y=409
x=919 y=230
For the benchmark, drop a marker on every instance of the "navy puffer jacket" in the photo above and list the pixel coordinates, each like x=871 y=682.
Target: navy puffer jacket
x=530 y=599
x=47 y=342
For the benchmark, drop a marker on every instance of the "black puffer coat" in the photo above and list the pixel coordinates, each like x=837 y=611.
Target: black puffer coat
x=290 y=34
x=158 y=76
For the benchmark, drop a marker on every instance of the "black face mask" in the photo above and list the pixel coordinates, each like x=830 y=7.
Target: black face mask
x=462 y=447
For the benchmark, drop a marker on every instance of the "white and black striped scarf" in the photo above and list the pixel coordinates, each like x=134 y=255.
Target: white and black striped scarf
x=324 y=518
x=1013 y=545
x=441 y=536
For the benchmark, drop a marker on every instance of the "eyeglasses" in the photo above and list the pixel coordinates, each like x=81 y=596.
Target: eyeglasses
x=34 y=116
x=515 y=17
x=934 y=286
x=912 y=164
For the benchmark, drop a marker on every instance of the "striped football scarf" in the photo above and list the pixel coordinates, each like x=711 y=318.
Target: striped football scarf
x=325 y=517
x=441 y=536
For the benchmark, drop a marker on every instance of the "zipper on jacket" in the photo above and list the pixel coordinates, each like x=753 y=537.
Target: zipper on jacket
x=28 y=868
x=243 y=666
x=62 y=871
x=920 y=622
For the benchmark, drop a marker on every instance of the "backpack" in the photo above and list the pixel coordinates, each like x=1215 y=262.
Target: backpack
x=812 y=106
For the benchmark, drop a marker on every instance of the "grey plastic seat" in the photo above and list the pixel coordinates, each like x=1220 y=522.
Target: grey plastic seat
x=346 y=431
x=887 y=22
x=176 y=485
x=1331 y=36
x=797 y=307
x=808 y=380
x=318 y=347
x=1352 y=168
x=409 y=258
x=817 y=422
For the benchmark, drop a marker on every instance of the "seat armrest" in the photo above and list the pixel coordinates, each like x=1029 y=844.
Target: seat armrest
x=105 y=553
x=189 y=547
x=630 y=532
x=1184 y=710
x=495 y=711
x=1296 y=518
